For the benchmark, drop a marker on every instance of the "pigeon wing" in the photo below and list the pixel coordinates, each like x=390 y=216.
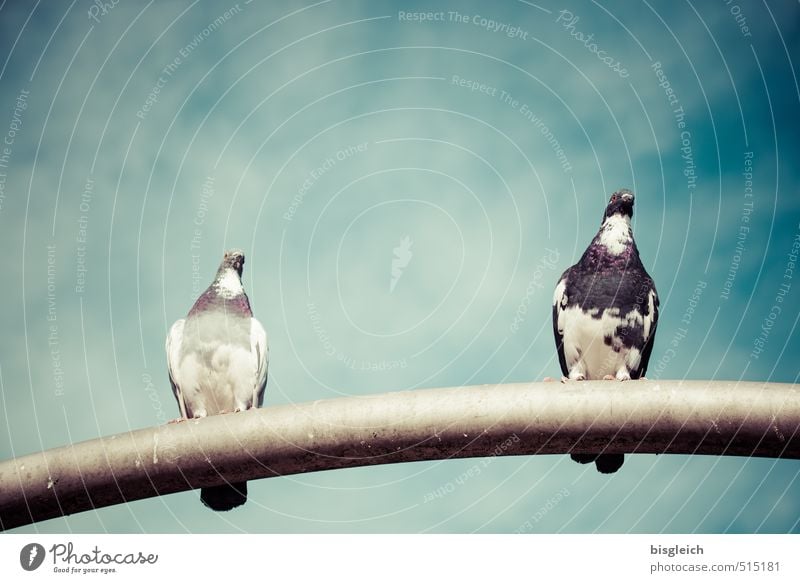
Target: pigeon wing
x=259 y=348
x=174 y=343
x=559 y=302
x=650 y=325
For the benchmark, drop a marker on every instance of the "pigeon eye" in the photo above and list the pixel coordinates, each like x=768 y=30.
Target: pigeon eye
x=613 y=197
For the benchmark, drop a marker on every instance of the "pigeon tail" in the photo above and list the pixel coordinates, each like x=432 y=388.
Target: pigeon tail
x=583 y=458
x=225 y=497
x=607 y=463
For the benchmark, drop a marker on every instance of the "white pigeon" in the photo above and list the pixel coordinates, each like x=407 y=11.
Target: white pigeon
x=217 y=358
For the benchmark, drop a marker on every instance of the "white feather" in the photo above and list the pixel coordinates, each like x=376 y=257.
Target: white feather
x=174 y=342
x=229 y=285
x=559 y=298
x=585 y=350
x=647 y=322
x=615 y=234
x=259 y=348
x=211 y=377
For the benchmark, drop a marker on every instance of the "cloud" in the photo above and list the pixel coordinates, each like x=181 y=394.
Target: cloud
x=350 y=122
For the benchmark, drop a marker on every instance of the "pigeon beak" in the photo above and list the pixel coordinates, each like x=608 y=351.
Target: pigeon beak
x=627 y=197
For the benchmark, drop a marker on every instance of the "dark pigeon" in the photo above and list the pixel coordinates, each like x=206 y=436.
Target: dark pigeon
x=605 y=311
x=217 y=358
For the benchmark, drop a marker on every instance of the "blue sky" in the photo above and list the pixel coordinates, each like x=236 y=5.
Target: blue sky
x=328 y=139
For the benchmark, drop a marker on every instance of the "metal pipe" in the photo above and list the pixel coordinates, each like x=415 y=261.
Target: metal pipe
x=682 y=417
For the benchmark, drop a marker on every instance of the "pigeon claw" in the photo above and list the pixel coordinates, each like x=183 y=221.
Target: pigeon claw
x=226 y=412
x=578 y=377
x=609 y=377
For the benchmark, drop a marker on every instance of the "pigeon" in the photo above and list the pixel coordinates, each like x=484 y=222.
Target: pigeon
x=605 y=311
x=217 y=358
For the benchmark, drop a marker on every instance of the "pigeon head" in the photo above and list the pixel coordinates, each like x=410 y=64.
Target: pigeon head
x=233 y=259
x=620 y=203
x=228 y=283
